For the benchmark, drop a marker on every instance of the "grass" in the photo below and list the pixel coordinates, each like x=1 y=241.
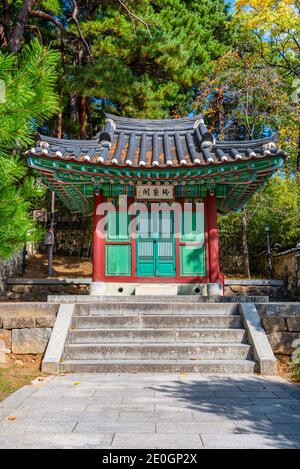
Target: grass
x=296 y=368
x=13 y=377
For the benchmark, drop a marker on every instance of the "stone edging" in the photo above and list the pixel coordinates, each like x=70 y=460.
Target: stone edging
x=257 y=337
x=88 y=281
x=58 y=338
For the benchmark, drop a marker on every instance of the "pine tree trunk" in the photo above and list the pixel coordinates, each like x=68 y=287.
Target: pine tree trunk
x=17 y=34
x=73 y=99
x=59 y=124
x=245 y=243
x=90 y=117
x=83 y=115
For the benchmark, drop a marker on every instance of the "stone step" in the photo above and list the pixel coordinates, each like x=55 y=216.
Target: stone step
x=158 y=366
x=174 y=351
x=155 y=308
x=90 y=299
x=85 y=336
x=157 y=322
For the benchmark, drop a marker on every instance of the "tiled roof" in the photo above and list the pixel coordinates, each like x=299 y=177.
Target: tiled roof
x=155 y=143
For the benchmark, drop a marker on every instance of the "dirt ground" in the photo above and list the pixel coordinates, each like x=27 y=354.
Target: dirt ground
x=37 y=267
x=70 y=267
x=17 y=372
x=284 y=368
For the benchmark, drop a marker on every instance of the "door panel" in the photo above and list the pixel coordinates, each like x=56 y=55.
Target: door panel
x=192 y=260
x=145 y=258
x=118 y=259
x=156 y=245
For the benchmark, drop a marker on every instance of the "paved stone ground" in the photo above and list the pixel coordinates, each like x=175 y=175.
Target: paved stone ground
x=152 y=411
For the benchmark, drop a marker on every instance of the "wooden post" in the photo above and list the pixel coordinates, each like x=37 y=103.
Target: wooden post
x=51 y=232
x=213 y=240
x=98 y=243
x=245 y=243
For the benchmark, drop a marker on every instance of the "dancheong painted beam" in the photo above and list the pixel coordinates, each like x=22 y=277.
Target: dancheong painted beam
x=174 y=161
x=129 y=152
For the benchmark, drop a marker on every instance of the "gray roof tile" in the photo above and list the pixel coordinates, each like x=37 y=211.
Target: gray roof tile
x=142 y=142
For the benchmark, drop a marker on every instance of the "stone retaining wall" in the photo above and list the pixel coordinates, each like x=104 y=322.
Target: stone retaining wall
x=282 y=325
x=26 y=328
x=40 y=289
x=286 y=266
x=274 y=292
x=9 y=268
x=41 y=292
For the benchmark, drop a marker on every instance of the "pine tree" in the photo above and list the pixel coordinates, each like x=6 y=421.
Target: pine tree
x=150 y=71
x=138 y=58
x=29 y=82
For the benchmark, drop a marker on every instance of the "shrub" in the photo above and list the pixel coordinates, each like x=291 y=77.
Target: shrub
x=296 y=368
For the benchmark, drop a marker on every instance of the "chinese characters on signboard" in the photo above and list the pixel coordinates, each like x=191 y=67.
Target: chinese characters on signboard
x=162 y=192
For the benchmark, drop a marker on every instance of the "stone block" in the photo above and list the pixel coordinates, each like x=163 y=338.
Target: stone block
x=26 y=341
x=3 y=351
x=45 y=321
x=293 y=324
x=5 y=336
x=274 y=324
x=15 y=296
x=156 y=289
x=281 y=342
x=19 y=289
x=18 y=322
x=238 y=289
x=284 y=310
x=40 y=295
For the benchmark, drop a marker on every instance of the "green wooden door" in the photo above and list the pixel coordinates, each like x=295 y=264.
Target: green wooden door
x=192 y=243
x=156 y=245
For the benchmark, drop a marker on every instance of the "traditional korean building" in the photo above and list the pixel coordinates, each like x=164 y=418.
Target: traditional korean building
x=175 y=165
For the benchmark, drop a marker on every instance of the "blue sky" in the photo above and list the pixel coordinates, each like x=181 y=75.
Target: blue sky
x=231 y=2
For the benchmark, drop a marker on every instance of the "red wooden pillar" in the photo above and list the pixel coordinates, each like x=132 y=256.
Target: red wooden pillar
x=98 y=242
x=213 y=240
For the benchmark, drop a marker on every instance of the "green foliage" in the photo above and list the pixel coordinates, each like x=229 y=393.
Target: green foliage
x=150 y=72
x=296 y=368
x=30 y=98
x=230 y=233
x=53 y=6
x=276 y=205
x=30 y=95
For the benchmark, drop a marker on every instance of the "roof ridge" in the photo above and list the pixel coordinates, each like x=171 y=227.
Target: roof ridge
x=131 y=122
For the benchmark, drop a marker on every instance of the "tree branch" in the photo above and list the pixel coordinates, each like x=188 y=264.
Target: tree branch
x=45 y=16
x=133 y=16
x=74 y=18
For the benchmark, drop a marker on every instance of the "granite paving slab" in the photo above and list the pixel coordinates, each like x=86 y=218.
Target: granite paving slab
x=164 y=411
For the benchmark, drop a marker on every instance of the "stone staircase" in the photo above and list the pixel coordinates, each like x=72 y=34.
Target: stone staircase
x=169 y=334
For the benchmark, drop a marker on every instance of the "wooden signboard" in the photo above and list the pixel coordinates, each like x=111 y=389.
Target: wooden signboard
x=163 y=192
